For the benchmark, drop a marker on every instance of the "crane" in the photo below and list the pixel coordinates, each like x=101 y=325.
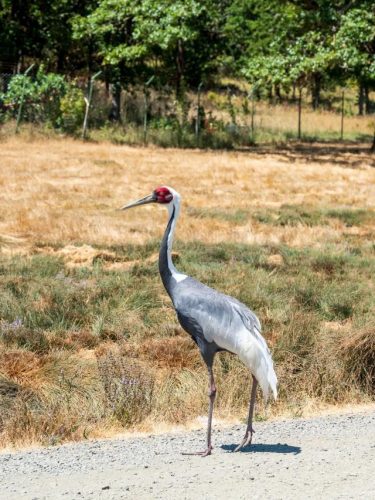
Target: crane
x=215 y=321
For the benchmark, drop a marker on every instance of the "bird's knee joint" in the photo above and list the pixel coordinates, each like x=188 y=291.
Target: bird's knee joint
x=212 y=392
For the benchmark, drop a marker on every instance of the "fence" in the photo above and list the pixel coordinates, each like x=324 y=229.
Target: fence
x=222 y=117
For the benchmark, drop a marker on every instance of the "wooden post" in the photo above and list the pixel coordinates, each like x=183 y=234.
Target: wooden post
x=145 y=115
x=88 y=104
x=299 y=111
x=252 y=111
x=198 y=118
x=342 y=115
x=19 y=114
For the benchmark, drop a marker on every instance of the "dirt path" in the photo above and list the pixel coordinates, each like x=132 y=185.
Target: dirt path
x=326 y=457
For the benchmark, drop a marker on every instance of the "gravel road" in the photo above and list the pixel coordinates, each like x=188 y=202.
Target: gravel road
x=327 y=457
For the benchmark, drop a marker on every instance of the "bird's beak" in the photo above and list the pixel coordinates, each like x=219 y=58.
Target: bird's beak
x=147 y=199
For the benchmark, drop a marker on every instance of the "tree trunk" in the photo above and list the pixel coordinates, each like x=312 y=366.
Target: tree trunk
x=278 y=93
x=299 y=112
x=179 y=70
x=106 y=85
x=361 y=99
x=115 y=113
x=367 y=100
x=270 y=94
x=315 y=91
x=372 y=149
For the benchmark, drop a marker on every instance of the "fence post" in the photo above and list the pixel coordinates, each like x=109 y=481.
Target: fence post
x=19 y=114
x=198 y=119
x=342 y=115
x=252 y=124
x=299 y=111
x=145 y=120
x=88 y=104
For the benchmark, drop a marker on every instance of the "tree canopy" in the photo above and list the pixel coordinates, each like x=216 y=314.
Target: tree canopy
x=276 y=43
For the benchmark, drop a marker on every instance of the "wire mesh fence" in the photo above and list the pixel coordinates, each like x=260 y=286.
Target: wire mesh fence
x=222 y=117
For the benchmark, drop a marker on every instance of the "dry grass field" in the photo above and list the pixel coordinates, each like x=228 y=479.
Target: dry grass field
x=88 y=339
x=279 y=122
x=65 y=192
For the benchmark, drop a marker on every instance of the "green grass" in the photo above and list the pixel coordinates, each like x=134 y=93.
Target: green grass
x=293 y=215
x=288 y=215
x=41 y=294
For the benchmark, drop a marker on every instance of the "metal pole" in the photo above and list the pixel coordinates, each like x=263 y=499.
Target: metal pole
x=342 y=115
x=19 y=114
x=88 y=104
x=299 y=111
x=197 y=123
x=145 y=119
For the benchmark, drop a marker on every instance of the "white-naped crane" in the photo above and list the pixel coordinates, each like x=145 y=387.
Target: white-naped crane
x=216 y=322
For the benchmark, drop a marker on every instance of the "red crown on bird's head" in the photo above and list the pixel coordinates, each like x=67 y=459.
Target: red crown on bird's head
x=163 y=195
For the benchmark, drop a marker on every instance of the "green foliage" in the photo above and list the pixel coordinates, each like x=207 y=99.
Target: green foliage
x=313 y=42
x=72 y=107
x=41 y=95
x=47 y=97
x=166 y=38
x=354 y=43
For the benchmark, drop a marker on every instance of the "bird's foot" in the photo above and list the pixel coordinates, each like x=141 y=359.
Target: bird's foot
x=204 y=453
x=246 y=440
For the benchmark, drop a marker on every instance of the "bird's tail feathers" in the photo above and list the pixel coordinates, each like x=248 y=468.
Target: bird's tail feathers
x=272 y=382
x=267 y=379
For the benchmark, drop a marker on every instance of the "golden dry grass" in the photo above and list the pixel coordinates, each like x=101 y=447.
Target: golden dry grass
x=60 y=197
x=284 y=118
x=65 y=192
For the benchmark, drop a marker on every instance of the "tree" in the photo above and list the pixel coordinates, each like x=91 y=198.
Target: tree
x=354 y=46
x=41 y=31
x=176 y=40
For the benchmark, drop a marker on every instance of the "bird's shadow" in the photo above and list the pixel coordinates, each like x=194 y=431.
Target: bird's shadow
x=264 y=448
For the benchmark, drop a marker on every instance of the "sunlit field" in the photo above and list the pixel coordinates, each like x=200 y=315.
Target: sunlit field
x=89 y=343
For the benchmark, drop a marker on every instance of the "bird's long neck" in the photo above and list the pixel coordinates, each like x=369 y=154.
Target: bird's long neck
x=169 y=274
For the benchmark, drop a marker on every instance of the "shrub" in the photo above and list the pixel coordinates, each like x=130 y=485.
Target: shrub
x=48 y=98
x=41 y=96
x=72 y=107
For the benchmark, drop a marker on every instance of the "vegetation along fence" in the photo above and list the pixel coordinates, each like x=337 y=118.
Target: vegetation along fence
x=230 y=114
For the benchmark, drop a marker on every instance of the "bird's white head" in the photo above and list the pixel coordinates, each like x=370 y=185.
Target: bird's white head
x=162 y=194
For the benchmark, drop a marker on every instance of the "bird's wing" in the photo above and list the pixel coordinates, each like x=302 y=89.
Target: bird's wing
x=217 y=321
x=213 y=316
x=250 y=321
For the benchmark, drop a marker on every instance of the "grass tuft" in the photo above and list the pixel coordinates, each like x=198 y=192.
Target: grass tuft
x=128 y=387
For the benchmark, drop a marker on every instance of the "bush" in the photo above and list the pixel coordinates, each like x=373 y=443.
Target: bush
x=48 y=98
x=72 y=107
x=41 y=96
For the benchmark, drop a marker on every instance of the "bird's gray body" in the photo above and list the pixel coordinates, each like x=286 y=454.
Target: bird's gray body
x=214 y=320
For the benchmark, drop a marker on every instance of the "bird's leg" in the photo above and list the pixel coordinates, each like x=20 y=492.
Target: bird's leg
x=249 y=429
x=211 y=395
